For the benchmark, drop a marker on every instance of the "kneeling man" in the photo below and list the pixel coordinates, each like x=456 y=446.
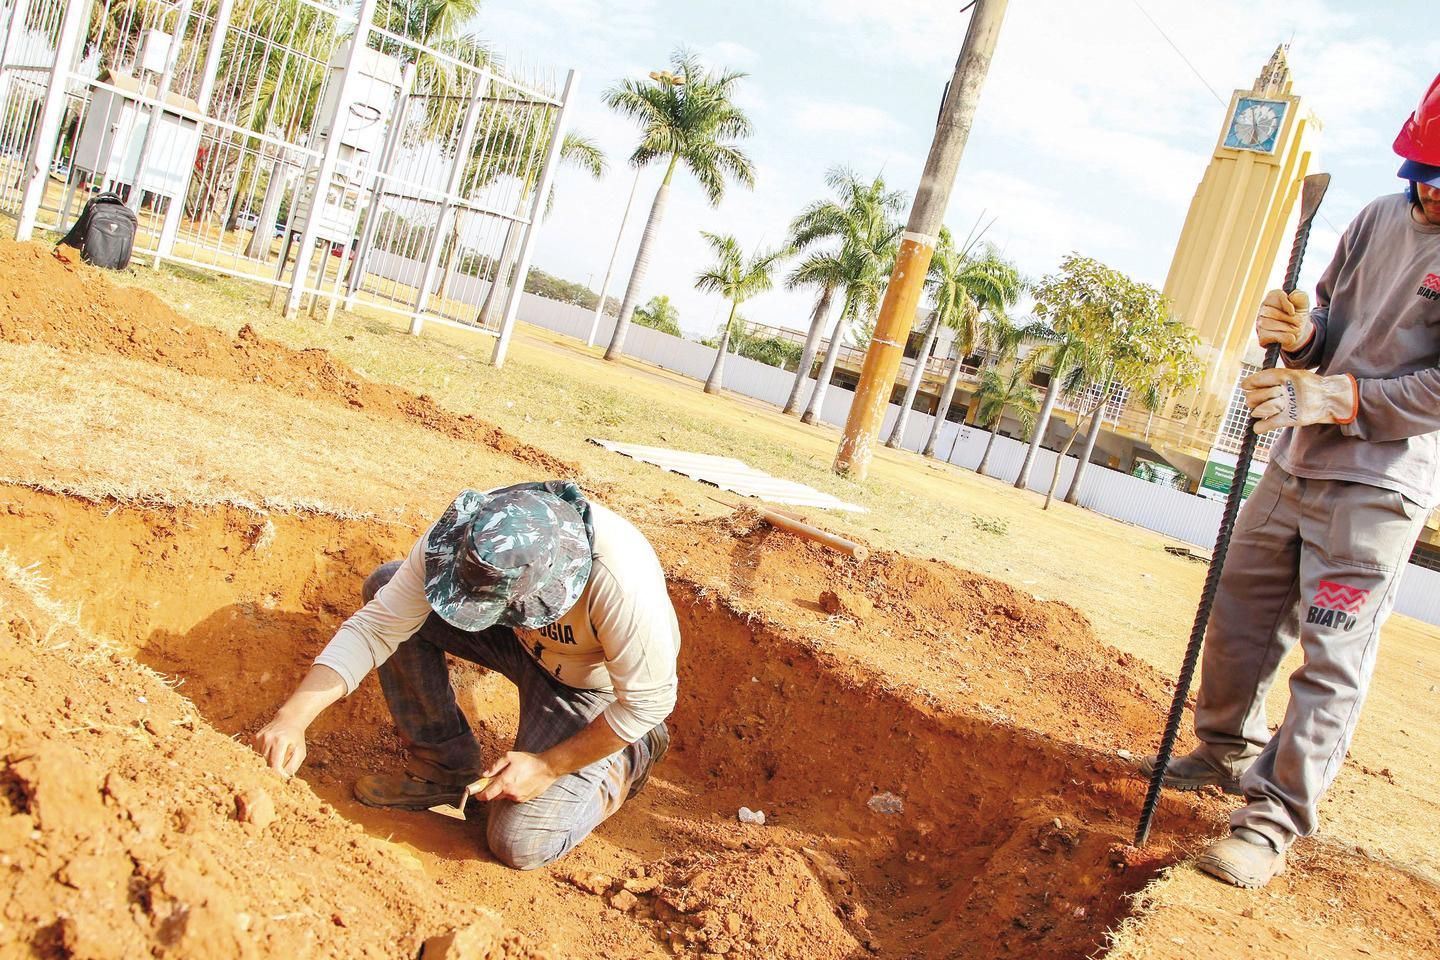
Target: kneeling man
x=566 y=599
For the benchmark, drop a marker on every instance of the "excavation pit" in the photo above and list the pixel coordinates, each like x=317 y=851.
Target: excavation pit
x=1006 y=841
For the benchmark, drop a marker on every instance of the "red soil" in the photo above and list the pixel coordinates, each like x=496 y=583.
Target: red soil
x=809 y=686
x=71 y=306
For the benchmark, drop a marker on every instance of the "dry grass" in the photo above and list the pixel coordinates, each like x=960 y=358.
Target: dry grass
x=103 y=427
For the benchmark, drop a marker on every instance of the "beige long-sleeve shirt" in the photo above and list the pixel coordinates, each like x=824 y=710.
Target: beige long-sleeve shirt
x=621 y=636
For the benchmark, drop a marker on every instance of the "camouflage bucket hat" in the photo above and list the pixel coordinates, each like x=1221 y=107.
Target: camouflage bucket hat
x=519 y=557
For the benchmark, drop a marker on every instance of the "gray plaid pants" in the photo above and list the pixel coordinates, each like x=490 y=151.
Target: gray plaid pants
x=442 y=748
x=1313 y=561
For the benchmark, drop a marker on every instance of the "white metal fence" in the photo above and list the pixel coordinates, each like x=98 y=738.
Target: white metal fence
x=1173 y=513
x=255 y=137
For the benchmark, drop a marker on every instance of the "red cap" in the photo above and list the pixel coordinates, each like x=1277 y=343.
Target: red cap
x=1419 y=139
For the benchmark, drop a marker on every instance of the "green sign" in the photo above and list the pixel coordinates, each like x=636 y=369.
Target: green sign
x=1219 y=477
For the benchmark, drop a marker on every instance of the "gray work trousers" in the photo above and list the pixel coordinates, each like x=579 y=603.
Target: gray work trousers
x=1316 y=561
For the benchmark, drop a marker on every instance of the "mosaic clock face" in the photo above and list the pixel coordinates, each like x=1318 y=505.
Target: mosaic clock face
x=1255 y=124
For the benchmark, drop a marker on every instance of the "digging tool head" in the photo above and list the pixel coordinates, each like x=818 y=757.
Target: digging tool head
x=1311 y=193
x=456 y=810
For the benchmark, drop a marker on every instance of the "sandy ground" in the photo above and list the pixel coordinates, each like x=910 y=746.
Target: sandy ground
x=127 y=424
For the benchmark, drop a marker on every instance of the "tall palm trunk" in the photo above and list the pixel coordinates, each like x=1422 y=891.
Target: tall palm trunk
x=818 y=316
x=1073 y=496
x=989 y=445
x=947 y=397
x=1042 y=423
x=500 y=282
x=264 y=235
x=713 y=382
x=827 y=369
x=1060 y=460
x=917 y=375
x=452 y=258
x=642 y=264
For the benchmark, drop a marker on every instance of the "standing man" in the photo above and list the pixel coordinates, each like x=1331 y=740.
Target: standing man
x=563 y=597
x=1320 y=545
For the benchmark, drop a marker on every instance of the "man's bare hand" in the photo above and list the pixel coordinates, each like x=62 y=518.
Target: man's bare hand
x=282 y=743
x=1284 y=320
x=518 y=776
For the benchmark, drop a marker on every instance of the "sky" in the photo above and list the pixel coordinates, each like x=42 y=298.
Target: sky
x=1092 y=133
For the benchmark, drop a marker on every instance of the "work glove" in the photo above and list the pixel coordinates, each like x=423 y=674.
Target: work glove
x=1297 y=398
x=1284 y=320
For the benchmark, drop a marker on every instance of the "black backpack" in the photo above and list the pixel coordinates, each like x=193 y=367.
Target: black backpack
x=105 y=232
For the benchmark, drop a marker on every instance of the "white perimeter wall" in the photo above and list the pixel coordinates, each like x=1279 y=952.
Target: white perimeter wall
x=1175 y=514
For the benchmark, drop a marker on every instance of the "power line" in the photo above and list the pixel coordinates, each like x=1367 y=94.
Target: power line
x=1180 y=53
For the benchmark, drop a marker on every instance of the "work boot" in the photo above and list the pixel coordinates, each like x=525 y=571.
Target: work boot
x=1243 y=859
x=658 y=740
x=1191 y=772
x=400 y=791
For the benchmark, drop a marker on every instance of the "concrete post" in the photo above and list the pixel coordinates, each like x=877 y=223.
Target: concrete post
x=537 y=206
x=447 y=210
x=902 y=296
x=42 y=149
x=344 y=94
x=610 y=268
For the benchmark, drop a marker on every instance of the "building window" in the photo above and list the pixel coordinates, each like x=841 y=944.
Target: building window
x=1085 y=402
x=1237 y=421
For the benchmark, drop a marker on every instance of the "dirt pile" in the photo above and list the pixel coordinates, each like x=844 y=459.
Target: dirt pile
x=776 y=902
x=73 y=306
x=129 y=827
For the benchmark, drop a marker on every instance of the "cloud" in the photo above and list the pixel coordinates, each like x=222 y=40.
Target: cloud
x=809 y=115
x=728 y=54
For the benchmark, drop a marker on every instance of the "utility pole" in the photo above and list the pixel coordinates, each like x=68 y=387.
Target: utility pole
x=907 y=281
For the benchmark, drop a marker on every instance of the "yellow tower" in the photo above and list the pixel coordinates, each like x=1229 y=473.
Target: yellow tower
x=1232 y=238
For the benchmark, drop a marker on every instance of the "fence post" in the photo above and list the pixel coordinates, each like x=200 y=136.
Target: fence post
x=14 y=29
x=330 y=157
x=42 y=149
x=537 y=207
x=170 y=226
x=453 y=184
x=372 y=215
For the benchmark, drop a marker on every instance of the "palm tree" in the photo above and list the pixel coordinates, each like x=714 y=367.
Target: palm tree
x=576 y=150
x=821 y=221
x=688 y=116
x=997 y=392
x=737 y=278
x=1002 y=339
x=860 y=268
x=1070 y=368
x=966 y=290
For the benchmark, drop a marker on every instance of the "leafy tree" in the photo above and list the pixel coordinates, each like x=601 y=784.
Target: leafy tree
x=773 y=350
x=820 y=222
x=738 y=278
x=659 y=314
x=687 y=116
x=1132 y=341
